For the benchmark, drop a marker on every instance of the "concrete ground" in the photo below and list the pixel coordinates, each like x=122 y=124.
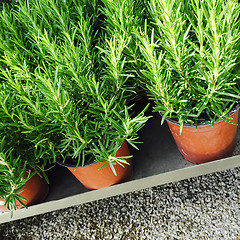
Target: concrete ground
x=206 y=207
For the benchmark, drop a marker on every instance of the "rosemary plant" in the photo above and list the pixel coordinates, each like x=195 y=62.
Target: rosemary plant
x=12 y=171
x=191 y=54
x=121 y=19
x=73 y=95
x=17 y=127
x=17 y=154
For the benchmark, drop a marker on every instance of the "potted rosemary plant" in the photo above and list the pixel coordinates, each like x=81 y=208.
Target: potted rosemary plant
x=23 y=181
x=20 y=184
x=191 y=54
x=22 y=178
x=77 y=93
x=22 y=163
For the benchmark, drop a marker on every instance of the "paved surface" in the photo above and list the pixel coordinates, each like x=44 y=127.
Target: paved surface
x=206 y=207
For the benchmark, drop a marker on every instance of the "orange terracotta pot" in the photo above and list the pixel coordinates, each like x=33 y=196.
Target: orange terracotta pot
x=93 y=178
x=35 y=191
x=206 y=142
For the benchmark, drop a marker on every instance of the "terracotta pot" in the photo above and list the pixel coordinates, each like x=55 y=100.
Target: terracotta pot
x=206 y=142
x=93 y=178
x=35 y=191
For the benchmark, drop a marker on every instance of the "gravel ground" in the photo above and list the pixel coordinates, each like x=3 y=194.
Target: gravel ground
x=206 y=207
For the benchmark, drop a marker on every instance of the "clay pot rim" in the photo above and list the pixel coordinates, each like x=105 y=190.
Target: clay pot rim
x=72 y=165
x=236 y=108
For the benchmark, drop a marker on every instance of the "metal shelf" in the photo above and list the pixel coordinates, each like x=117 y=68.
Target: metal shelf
x=157 y=162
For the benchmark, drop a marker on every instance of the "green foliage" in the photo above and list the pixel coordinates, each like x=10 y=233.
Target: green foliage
x=68 y=79
x=17 y=152
x=191 y=55
x=12 y=171
x=122 y=17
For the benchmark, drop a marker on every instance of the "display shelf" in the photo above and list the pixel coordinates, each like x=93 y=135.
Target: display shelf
x=157 y=162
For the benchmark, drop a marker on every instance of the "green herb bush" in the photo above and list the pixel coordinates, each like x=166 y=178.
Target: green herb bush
x=12 y=171
x=191 y=55
x=69 y=78
x=17 y=126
